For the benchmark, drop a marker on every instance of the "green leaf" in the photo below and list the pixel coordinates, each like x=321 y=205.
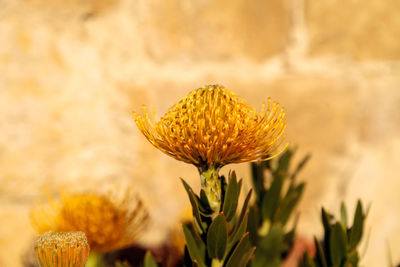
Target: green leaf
x=241 y=254
x=300 y=166
x=284 y=162
x=195 y=246
x=357 y=228
x=271 y=199
x=353 y=259
x=244 y=209
x=217 y=237
x=343 y=215
x=257 y=175
x=326 y=218
x=149 y=261
x=204 y=208
x=237 y=234
x=272 y=242
x=231 y=197
x=320 y=255
x=195 y=207
x=269 y=248
x=337 y=244
x=253 y=224
x=288 y=204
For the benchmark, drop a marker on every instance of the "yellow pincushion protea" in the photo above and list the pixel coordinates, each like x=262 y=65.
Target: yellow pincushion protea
x=62 y=249
x=212 y=127
x=108 y=225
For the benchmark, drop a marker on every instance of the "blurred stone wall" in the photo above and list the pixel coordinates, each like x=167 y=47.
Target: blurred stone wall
x=71 y=72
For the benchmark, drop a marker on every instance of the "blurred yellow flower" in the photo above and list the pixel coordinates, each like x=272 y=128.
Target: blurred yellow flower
x=62 y=249
x=212 y=127
x=108 y=224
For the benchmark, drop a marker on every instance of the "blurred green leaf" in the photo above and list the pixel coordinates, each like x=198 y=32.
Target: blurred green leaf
x=358 y=225
x=353 y=258
x=149 y=261
x=284 y=162
x=257 y=175
x=253 y=224
x=268 y=250
x=271 y=199
x=320 y=255
x=337 y=244
x=288 y=204
x=343 y=215
x=300 y=166
x=217 y=237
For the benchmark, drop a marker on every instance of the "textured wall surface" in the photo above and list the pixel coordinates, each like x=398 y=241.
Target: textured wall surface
x=71 y=72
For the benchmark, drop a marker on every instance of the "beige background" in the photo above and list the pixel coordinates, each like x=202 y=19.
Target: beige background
x=72 y=71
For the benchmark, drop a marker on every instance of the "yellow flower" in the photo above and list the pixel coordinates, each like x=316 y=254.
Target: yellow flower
x=212 y=127
x=62 y=249
x=108 y=224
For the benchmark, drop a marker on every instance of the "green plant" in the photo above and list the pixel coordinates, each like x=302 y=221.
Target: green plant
x=273 y=207
x=339 y=245
x=219 y=240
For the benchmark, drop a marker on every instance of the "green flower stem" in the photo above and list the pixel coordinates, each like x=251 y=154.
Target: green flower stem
x=211 y=184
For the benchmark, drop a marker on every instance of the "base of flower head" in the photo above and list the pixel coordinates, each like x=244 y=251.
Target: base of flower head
x=211 y=184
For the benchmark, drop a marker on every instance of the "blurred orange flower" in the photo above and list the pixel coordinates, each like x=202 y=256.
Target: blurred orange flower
x=108 y=224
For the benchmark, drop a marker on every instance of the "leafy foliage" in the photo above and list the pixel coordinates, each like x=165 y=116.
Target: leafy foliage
x=339 y=246
x=218 y=239
x=272 y=209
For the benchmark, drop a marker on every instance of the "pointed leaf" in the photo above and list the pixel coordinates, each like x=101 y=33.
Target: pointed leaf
x=231 y=197
x=357 y=228
x=244 y=209
x=237 y=234
x=195 y=245
x=217 y=237
x=241 y=254
x=300 y=166
x=195 y=207
x=320 y=255
x=337 y=244
x=204 y=208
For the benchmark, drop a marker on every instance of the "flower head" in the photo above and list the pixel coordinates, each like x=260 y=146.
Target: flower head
x=63 y=249
x=212 y=127
x=108 y=224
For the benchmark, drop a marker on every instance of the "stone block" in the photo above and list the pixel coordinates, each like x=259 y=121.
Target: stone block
x=215 y=30
x=360 y=30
